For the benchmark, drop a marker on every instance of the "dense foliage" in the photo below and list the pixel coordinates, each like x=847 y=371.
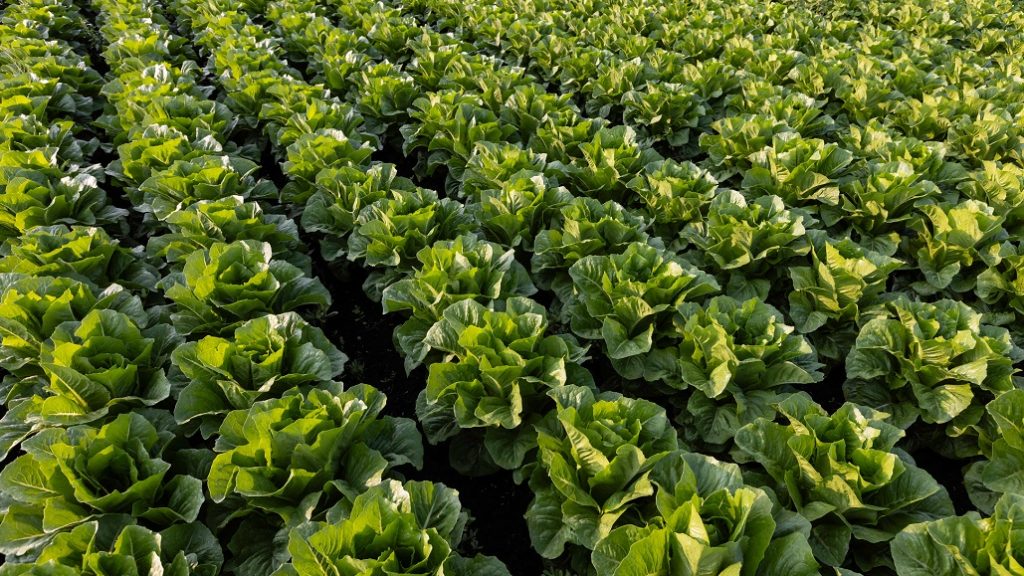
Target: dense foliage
x=712 y=287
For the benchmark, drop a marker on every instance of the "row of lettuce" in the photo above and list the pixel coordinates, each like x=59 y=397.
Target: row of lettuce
x=718 y=304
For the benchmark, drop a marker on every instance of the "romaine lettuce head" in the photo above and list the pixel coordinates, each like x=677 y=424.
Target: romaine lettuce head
x=585 y=227
x=830 y=296
x=206 y=222
x=227 y=284
x=299 y=455
x=628 y=300
x=391 y=231
x=1002 y=471
x=38 y=191
x=341 y=194
x=32 y=307
x=935 y=361
x=408 y=529
x=736 y=357
x=92 y=369
x=709 y=522
x=70 y=476
x=843 y=474
x=756 y=238
x=82 y=253
x=180 y=550
x=264 y=357
x=596 y=456
x=495 y=371
x=966 y=544
x=465 y=268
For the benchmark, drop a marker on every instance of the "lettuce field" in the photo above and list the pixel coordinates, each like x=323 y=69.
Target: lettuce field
x=511 y=287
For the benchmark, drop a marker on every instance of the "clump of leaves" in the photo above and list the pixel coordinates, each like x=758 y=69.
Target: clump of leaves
x=842 y=473
x=596 y=456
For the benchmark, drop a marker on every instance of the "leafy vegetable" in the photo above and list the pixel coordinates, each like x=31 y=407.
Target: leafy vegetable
x=935 y=361
x=465 y=268
x=963 y=544
x=627 y=300
x=338 y=443
x=736 y=356
x=586 y=227
x=843 y=281
x=594 y=466
x=496 y=369
x=221 y=287
x=181 y=550
x=265 y=357
x=841 y=473
x=392 y=528
x=89 y=255
x=709 y=522
x=68 y=477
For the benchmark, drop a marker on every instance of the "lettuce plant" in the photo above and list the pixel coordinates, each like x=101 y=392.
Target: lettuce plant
x=966 y=544
x=709 y=522
x=341 y=194
x=880 y=144
x=1000 y=284
x=75 y=475
x=842 y=473
x=223 y=286
x=735 y=138
x=154 y=149
x=392 y=230
x=86 y=254
x=445 y=126
x=628 y=300
x=386 y=93
x=206 y=222
x=32 y=307
x=663 y=111
x=496 y=369
x=935 y=361
x=316 y=151
x=299 y=111
x=829 y=297
x=675 y=194
x=512 y=213
x=264 y=357
x=29 y=132
x=404 y=529
x=209 y=177
x=37 y=191
x=493 y=163
x=465 y=268
x=802 y=172
x=1000 y=472
x=104 y=363
x=605 y=165
x=736 y=356
x=754 y=237
x=180 y=550
x=1000 y=186
x=952 y=242
x=882 y=202
x=338 y=445
x=88 y=369
x=596 y=453
x=585 y=227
